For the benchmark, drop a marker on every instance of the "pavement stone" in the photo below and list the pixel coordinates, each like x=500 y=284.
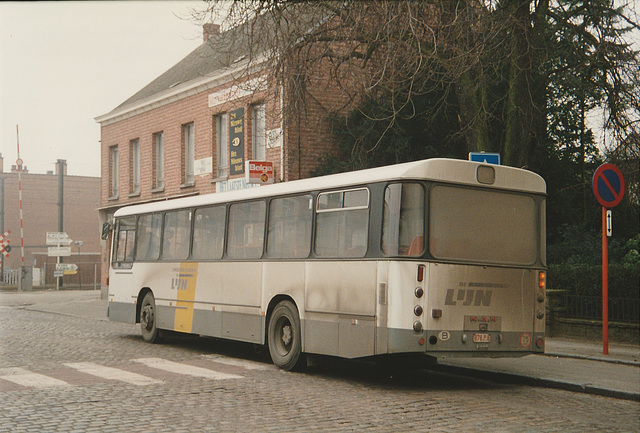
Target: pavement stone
x=567 y=364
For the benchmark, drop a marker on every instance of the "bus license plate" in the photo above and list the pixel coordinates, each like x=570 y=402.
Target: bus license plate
x=481 y=338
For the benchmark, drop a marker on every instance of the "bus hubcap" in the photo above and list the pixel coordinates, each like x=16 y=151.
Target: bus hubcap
x=147 y=317
x=286 y=335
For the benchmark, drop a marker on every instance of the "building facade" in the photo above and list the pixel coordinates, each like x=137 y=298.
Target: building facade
x=196 y=128
x=40 y=206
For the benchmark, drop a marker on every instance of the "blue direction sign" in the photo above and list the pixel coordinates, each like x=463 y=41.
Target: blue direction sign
x=489 y=158
x=608 y=185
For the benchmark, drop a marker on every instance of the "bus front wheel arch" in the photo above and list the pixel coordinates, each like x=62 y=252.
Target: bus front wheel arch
x=284 y=336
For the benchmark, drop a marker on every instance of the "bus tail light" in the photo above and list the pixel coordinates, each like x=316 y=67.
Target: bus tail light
x=542 y=280
x=107 y=281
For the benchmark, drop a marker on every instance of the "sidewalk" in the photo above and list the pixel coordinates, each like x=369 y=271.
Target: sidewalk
x=567 y=364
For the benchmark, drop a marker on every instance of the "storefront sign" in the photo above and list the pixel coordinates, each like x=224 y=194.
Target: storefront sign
x=236 y=140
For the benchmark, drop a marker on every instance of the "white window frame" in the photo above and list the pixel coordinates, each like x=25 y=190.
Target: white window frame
x=113 y=155
x=188 y=138
x=134 y=154
x=158 y=148
x=259 y=133
x=222 y=145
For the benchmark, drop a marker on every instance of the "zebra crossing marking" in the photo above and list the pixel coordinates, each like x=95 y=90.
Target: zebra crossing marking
x=112 y=373
x=179 y=368
x=29 y=379
x=247 y=365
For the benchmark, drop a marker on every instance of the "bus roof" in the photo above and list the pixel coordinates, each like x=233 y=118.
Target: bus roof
x=438 y=169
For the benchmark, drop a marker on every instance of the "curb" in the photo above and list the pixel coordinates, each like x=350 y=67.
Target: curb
x=594 y=358
x=511 y=378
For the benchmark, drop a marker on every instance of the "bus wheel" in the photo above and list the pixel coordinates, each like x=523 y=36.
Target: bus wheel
x=285 y=342
x=148 y=319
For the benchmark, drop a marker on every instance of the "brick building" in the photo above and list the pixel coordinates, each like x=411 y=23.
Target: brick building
x=40 y=197
x=193 y=129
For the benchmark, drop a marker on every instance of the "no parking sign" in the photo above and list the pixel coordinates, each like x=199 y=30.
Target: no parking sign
x=608 y=185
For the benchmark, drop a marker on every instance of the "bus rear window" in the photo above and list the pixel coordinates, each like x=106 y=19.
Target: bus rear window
x=482 y=226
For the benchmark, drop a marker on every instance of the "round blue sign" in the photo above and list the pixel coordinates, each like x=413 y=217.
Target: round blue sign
x=608 y=185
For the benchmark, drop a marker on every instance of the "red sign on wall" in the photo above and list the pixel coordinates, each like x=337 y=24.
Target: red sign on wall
x=260 y=172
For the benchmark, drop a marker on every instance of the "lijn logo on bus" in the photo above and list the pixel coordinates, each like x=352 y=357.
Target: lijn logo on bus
x=469 y=297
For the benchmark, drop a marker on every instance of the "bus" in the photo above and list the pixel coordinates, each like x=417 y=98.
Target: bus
x=436 y=258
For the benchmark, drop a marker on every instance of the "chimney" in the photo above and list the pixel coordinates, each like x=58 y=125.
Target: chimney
x=62 y=162
x=208 y=30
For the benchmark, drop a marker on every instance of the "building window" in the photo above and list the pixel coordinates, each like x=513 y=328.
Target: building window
x=158 y=160
x=222 y=140
x=113 y=171
x=134 y=166
x=188 y=154
x=259 y=133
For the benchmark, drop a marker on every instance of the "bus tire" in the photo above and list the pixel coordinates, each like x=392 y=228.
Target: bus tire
x=148 y=319
x=284 y=339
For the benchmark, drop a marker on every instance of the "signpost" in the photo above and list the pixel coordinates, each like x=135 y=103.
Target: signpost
x=58 y=239
x=608 y=187
x=488 y=158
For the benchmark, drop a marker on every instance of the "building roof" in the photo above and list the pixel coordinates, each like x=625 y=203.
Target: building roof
x=224 y=57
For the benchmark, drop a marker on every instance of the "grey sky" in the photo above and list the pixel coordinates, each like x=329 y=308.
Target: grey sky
x=64 y=63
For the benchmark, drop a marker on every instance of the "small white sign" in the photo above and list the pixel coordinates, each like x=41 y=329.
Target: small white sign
x=55 y=238
x=59 y=251
x=66 y=267
x=203 y=166
x=58 y=274
x=609 y=226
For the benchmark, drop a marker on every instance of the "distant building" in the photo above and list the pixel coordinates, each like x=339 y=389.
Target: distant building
x=81 y=197
x=193 y=129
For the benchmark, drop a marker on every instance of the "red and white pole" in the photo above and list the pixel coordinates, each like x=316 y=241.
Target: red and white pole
x=19 y=164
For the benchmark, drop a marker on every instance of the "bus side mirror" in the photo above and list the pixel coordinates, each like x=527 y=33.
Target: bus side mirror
x=106 y=228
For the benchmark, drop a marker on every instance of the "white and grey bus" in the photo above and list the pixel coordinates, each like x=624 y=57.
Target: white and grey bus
x=438 y=257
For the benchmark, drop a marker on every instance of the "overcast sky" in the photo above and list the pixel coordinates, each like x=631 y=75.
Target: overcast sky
x=64 y=63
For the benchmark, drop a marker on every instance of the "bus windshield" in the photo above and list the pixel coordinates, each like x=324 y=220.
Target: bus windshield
x=482 y=226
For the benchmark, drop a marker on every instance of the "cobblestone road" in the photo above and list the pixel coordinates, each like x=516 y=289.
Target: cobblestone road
x=72 y=374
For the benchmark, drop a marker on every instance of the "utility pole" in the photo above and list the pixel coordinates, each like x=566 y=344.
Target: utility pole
x=61 y=169
x=1 y=224
x=61 y=165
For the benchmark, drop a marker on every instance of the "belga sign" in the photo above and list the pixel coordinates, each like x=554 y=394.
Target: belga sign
x=260 y=172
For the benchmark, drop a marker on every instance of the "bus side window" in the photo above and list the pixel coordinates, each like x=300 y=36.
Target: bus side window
x=289 y=234
x=342 y=223
x=403 y=224
x=246 y=230
x=208 y=233
x=176 y=235
x=123 y=251
x=148 y=237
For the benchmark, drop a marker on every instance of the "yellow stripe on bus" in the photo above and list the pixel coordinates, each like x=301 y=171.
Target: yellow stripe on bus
x=184 y=312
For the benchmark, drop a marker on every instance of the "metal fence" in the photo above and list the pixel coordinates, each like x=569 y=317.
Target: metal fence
x=86 y=276
x=590 y=307
x=10 y=277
